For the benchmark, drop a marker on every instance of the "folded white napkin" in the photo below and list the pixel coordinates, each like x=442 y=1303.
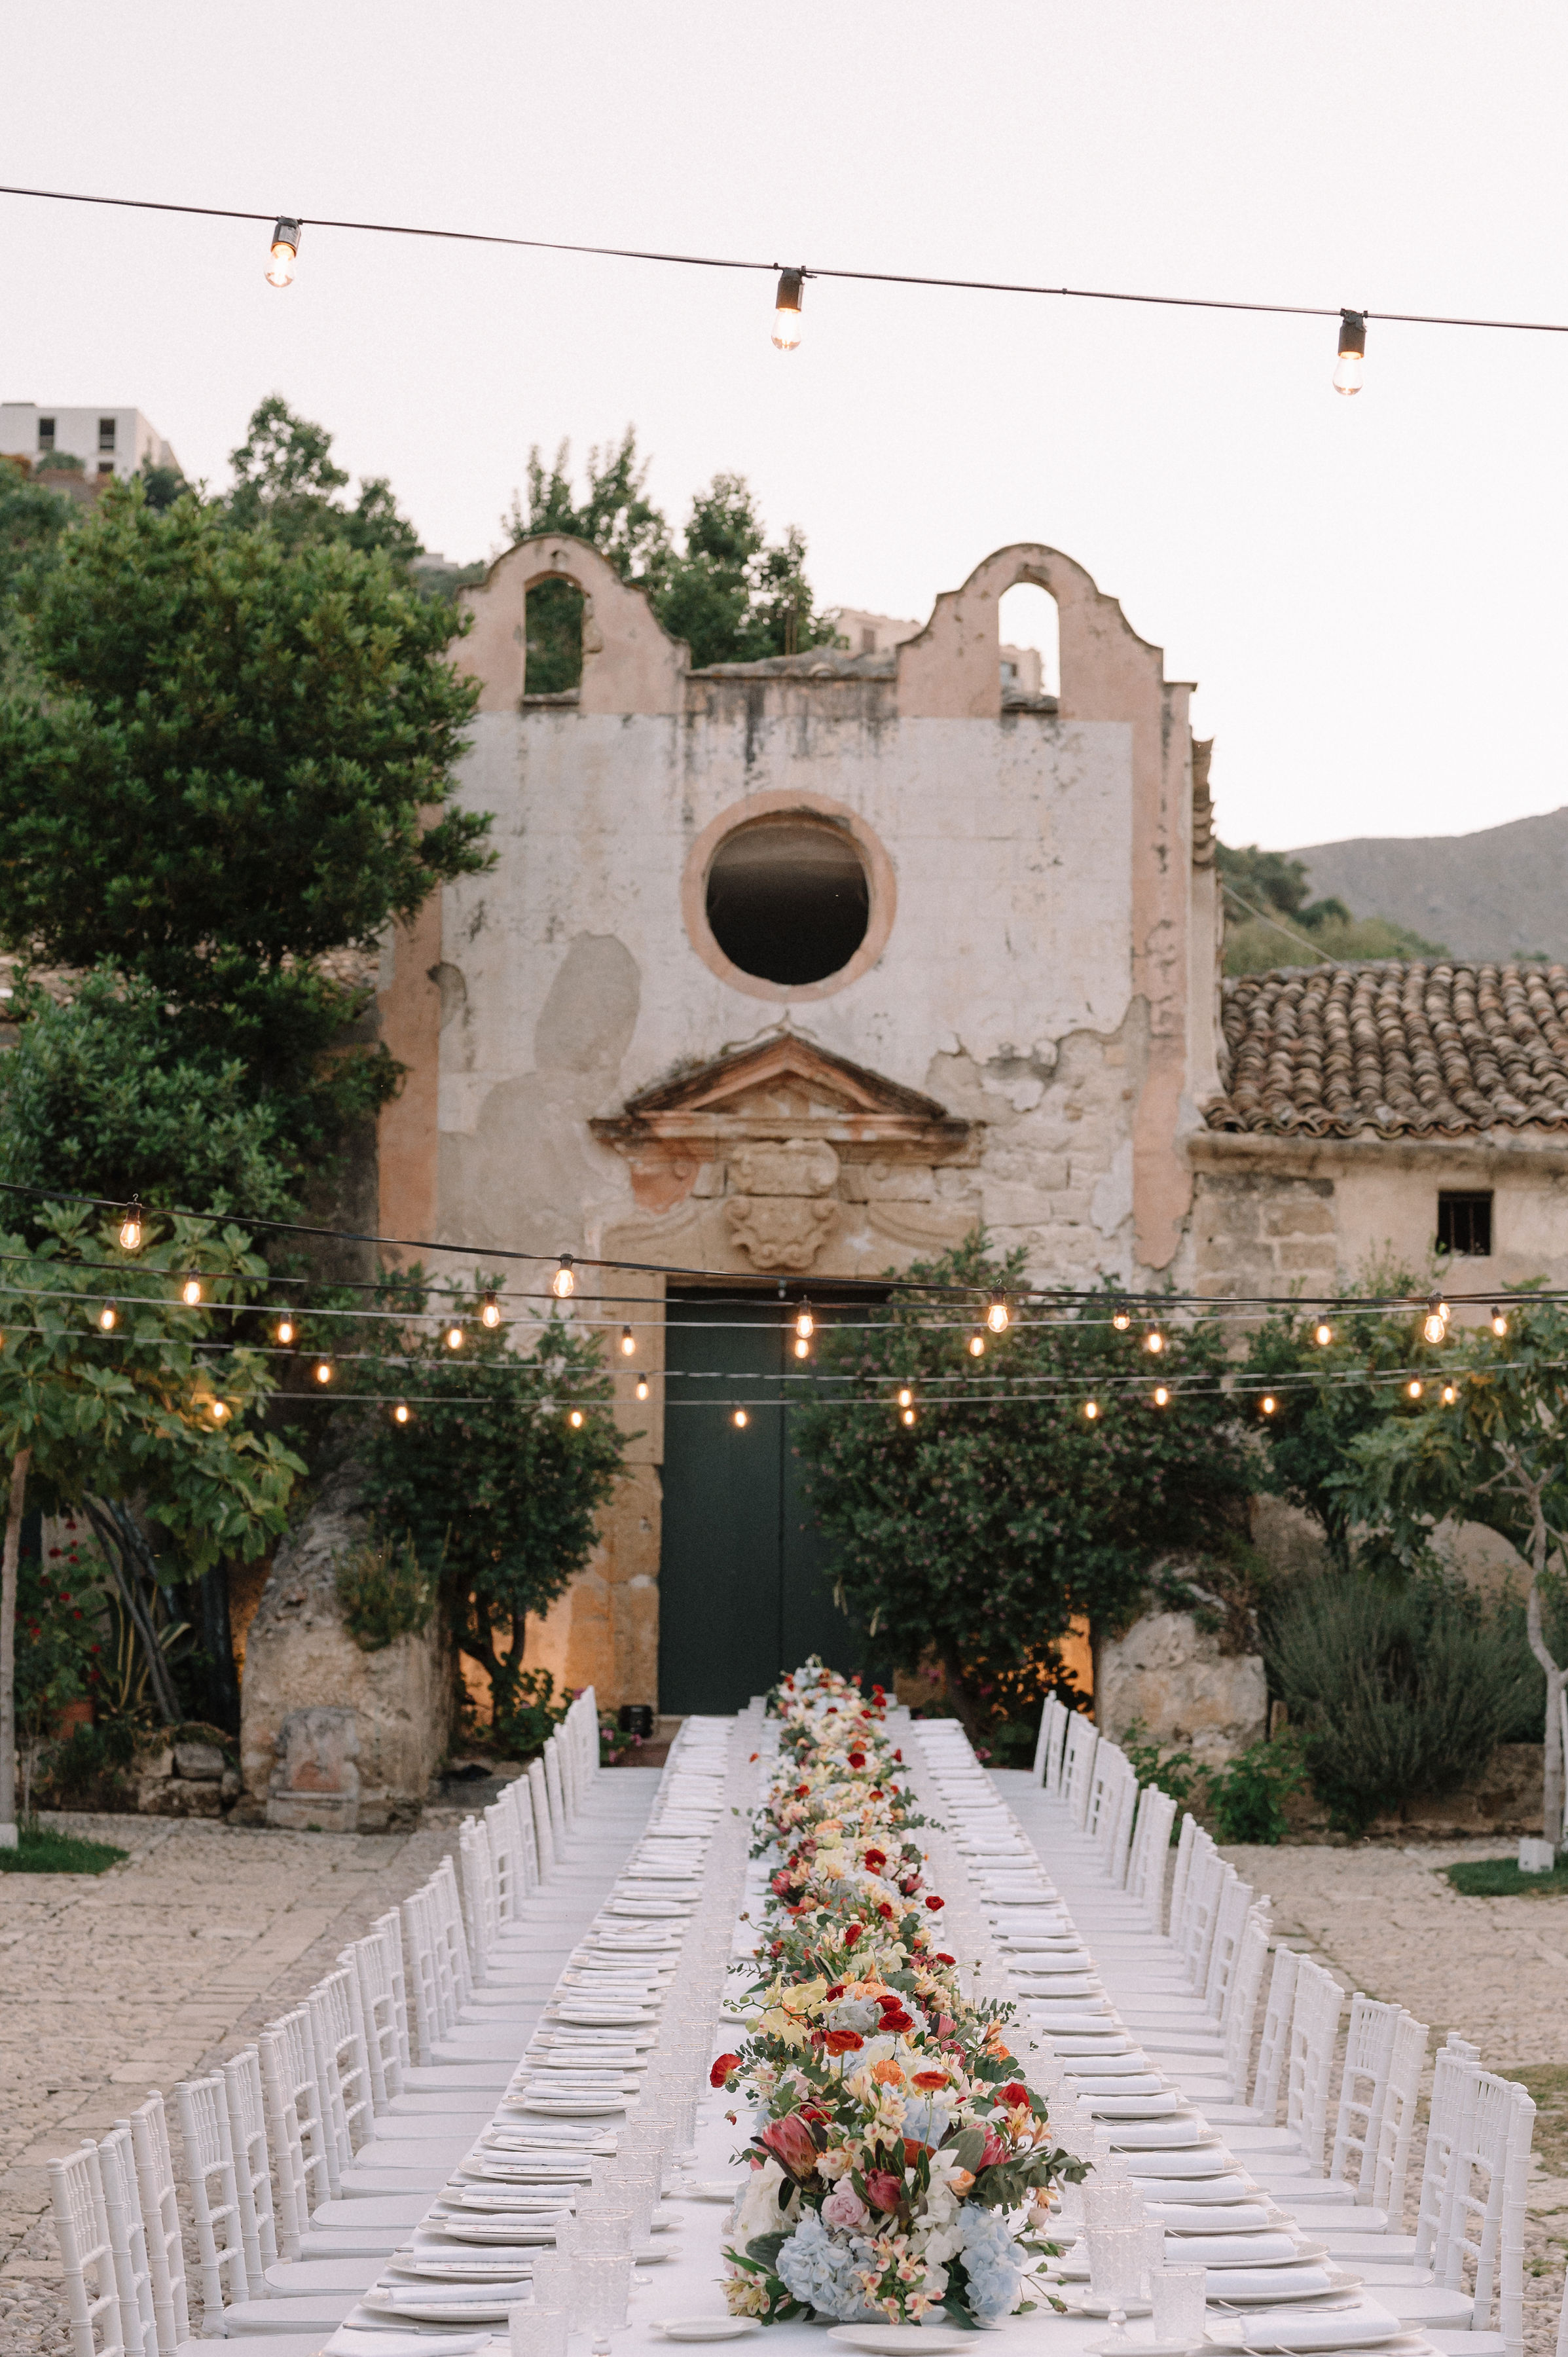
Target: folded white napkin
x=1362 y=2327
x=1263 y=2283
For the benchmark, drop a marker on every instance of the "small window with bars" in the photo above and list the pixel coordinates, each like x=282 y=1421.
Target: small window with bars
x=1464 y=1224
x=106 y=434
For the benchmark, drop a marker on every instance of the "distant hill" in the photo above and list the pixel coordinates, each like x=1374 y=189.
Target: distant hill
x=1501 y=893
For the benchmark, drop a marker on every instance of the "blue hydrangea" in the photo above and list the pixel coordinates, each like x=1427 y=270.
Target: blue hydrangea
x=820 y=2270
x=928 y=2118
x=990 y=2262
x=855 y=2013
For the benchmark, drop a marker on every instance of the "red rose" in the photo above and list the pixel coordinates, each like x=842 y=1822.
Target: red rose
x=1015 y=2091
x=885 y=1912
x=791 y=2143
x=813 y=2112
x=721 y=2069
x=884 y=2190
x=857 y=1759
x=843 y=2042
x=802 y=1791
x=898 y=2021
x=876 y=1859
x=900 y=1757
x=836 y=1990
x=852 y=1934
x=889 y=2000
x=933 y=1902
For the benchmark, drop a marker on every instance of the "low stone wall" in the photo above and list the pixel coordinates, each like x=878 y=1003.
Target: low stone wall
x=1174 y=1682
x=1504 y=1799
x=300 y=1657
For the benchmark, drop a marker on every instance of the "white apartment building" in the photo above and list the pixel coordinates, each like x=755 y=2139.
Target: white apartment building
x=107 y=441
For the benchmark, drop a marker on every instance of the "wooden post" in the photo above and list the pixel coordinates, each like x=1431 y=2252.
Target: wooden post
x=8 y=1569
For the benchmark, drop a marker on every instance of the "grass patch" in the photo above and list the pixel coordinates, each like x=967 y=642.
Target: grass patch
x=44 y=1851
x=1548 y=2083
x=1499 y=1878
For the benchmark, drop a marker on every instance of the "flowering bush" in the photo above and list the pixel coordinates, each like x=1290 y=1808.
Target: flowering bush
x=900 y=2163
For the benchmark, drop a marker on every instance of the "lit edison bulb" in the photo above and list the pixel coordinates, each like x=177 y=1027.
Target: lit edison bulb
x=575 y=1419
x=454 y=1338
x=642 y=1387
x=285 y=1330
x=490 y=1312
x=741 y=1419
x=1449 y=1394
x=108 y=1317
x=1092 y=1409
x=996 y=1314
x=802 y=1348
x=787 y=309
x=627 y=1342
x=324 y=1370
x=284 y=253
x=1413 y=1391
x=1162 y=1397
x=977 y=1346
x=400 y=1413
x=1154 y=1341
x=805 y=1324
x=1434 y=1325
x=908 y=1415
x=1268 y=1403
x=131 y=1227
x=1499 y=1323
x=190 y=1292
x=564 y=1284
x=906 y=1397
x=1120 y=1319
x=219 y=1410
x=1352 y=352
x=1323 y=1333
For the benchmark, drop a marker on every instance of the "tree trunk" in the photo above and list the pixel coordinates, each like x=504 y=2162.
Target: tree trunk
x=9 y=1565
x=962 y=1703
x=218 y=1638
x=1551 y=1764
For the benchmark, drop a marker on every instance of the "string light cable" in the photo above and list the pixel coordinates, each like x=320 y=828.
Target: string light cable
x=284 y=245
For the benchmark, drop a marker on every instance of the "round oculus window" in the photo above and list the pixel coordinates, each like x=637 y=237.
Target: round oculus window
x=788 y=899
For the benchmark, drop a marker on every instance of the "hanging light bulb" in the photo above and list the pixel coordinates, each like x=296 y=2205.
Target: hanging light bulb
x=1268 y=1403
x=285 y=1330
x=400 y=1413
x=108 y=1317
x=190 y=1292
x=627 y=1342
x=802 y=1348
x=324 y=1370
x=787 y=309
x=908 y=1415
x=219 y=1410
x=741 y=1419
x=1353 y=350
x=454 y=1338
x=1413 y=1390
x=1162 y=1397
x=1154 y=1341
x=490 y=1312
x=1434 y=1325
x=905 y=1397
x=131 y=1226
x=563 y=1284
x=997 y=1316
x=1499 y=1323
x=1092 y=1409
x=284 y=253
x=977 y=1346
x=642 y=1387
x=1323 y=1333
x=805 y=1324
x=1120 y=1318
x=575 y=1419
x=1449 y=1394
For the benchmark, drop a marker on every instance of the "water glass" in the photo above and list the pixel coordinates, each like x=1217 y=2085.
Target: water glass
x=1178 y=2298
x=634 y=2188
x=538 y=2331
x=1153 y=2253
x=595 y=2231
x=604 y=2286
x=1112 y=2202
x=1115 y=2264
x=552 y=2272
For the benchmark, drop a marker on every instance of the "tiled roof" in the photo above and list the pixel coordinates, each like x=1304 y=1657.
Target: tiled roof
x=1395 y=1050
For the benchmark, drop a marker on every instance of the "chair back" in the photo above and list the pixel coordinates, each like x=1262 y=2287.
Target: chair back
x=539 y=1794
x=343 y=2064
x=1082 y=1741
x=244 y=2099
x=1146 y=1860
x=1483 y=2237
x=1048 y=1715
x=1456 y=2064
x=81 y=2230
x=128 y=2240
x=1186 y=1841
x=1055 y=1750
x=223 y=2265
x=1275 y=2043
x=1363 y=2087
x=482 y=1909
x=1241 y=1996
x=1235 y=1901
x=148 y=2127
x=1314 y=2029
x=1397 y=2127
x=555 y=1794
x=303 y=2152
x=508 y=1868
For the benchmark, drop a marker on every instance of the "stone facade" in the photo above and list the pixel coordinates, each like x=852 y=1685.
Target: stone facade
x=1174 y=1681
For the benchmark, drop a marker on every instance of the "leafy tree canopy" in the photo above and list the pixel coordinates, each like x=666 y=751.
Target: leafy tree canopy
x=1267 y=912
x=980 y=1532
x=491 y=1481
x=732 y=595
x=286 y=477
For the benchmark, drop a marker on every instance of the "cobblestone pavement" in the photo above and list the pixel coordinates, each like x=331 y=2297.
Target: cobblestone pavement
x=112 y=1984
x=1386 y=1921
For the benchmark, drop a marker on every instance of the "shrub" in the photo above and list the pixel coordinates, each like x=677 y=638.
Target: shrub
x=83 y=1767
x=529 y=1717
x=1247 y=1795
x=1175 y=1772
x=1396 y=1690
x=384 y=1593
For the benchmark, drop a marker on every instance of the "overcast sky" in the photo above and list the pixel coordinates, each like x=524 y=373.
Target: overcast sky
x=1370 y=592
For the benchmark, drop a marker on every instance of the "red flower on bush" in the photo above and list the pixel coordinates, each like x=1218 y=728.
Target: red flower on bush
x=721 y=2069
x=843 y=2042
x=790 y=2142
x=933 y=1902
x=884 y=2190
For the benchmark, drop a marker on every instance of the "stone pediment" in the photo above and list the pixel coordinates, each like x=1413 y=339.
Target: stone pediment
x=785 y=1148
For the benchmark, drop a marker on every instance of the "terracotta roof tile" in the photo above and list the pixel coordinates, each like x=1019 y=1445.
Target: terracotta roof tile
x=1395 y=1050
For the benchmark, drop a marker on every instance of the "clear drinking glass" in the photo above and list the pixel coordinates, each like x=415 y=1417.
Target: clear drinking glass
x=595 y=2231
x=1153 y=2253
x=604 y=2285
x=553 y=2277
x=1115 y=2264
x=538 y=2331
x=1178 y=2298
x=637 y=2190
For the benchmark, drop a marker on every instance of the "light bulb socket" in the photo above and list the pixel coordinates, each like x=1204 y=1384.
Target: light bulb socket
x=791 y=291
x=1353 y=334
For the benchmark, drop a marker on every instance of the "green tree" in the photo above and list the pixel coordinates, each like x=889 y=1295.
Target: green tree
x=1267 y=912
x=978 y=1532
x=1496 y=1452
x=286 y=477
x=232 y=757
x=151 y=1411
x=495 y=1485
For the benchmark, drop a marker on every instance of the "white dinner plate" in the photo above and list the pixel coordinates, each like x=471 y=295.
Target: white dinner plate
x=568 y=2107
x=707 y=2327
x=712 y=2188
x=898 y=2337
x=1317 y=2336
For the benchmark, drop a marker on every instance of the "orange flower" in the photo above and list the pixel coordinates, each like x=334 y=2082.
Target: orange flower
x=888 y=2071
x=930 y=2079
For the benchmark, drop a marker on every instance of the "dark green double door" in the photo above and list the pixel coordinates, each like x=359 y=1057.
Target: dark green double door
x=745 y=1580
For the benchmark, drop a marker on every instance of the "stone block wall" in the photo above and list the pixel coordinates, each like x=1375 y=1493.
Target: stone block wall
x=1170 y=1678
